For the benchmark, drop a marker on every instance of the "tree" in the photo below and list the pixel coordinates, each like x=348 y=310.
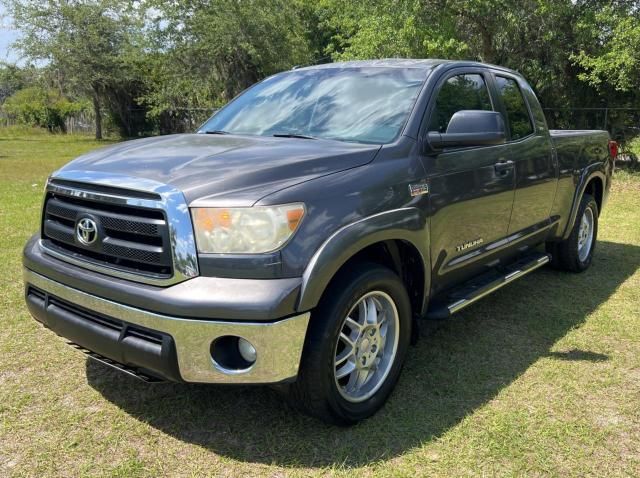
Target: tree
x=89 y=44
x=161 y=58
x=535 y=37
x=610 y=53
x=389 y=28
x=609 y=60
x=205 y=53
x=37 y=106
x=12 y=78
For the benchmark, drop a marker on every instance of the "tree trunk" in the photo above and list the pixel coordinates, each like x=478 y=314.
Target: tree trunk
x=98 y=114
x=488 y=52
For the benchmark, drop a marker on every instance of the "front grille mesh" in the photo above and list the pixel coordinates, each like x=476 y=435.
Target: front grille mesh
x=57 y=209
x=126 y=225
x=131 y=239
x=60 y=235
x=131 y=253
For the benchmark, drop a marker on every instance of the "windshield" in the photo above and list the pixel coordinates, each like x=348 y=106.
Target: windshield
x=368 y=105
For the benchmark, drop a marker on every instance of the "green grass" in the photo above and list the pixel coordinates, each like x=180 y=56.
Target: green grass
x=541 y=378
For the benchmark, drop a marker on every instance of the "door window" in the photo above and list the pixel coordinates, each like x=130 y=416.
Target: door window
x=517 y=112
x=460 y=92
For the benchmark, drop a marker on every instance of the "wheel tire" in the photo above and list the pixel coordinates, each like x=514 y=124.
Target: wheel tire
x=570 y=254
x=317 y=391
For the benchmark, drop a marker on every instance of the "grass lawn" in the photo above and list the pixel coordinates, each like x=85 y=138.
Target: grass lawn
x=541 y=378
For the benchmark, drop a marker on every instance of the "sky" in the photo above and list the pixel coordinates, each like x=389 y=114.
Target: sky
x=7 y=36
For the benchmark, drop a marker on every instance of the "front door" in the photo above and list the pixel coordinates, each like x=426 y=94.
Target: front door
x=471 y=189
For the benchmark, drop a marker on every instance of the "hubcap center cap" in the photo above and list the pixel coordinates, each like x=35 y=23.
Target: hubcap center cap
x=367 y=348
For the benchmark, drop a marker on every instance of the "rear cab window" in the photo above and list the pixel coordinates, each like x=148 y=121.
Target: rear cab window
x=518 y=117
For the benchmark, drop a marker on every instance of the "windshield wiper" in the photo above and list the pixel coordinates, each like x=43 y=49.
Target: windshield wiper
x=292 y=135
x=216 y=131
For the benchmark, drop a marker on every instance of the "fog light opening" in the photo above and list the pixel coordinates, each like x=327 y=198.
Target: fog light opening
x=232 y=354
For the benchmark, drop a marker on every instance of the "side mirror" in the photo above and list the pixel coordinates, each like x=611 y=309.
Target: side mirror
x=470 y=128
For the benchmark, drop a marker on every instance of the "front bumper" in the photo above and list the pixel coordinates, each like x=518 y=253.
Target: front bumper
x=168 y=347
x=238 y=300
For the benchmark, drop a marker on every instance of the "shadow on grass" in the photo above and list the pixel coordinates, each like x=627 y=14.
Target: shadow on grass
x=581 y=355
x=457 y=366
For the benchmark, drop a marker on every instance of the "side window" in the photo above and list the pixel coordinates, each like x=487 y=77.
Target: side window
x=536 y=110
x=460 y=92
x=517 y=112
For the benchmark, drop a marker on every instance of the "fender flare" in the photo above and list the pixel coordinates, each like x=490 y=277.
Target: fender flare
x=406 y=224
x=592 y=171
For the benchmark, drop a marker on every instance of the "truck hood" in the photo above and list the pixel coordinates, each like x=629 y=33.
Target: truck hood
x=224 y=170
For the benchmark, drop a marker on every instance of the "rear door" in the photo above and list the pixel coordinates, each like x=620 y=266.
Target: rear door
x=530 y=149
x=470 y=198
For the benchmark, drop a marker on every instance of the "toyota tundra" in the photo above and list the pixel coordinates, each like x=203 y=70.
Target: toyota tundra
x=299 y=237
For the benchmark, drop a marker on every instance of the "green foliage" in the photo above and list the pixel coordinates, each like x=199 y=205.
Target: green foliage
x=12 y=78
x=203 y=54
x=388 y=28
x=46 y=108
x=616 y=60
x=90 y=47
x=147 y=63
x=527 y=35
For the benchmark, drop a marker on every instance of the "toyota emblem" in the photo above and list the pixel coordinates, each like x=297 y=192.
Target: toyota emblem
x=86 y=231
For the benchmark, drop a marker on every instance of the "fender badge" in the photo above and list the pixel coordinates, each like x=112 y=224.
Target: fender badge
x=469 y=244
x=418 y=189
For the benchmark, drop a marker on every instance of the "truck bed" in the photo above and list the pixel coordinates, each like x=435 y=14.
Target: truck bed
x=586 y=145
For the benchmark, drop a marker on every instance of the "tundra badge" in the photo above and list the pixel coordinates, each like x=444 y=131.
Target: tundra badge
x=469 y=244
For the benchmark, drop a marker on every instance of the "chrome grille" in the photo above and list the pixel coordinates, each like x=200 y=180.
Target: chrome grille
x=131 y=239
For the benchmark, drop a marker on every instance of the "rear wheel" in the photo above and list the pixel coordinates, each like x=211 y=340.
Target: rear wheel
x=576 y=252
x=355 y=347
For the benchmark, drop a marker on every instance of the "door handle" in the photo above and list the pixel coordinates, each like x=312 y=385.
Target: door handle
x=503 y=166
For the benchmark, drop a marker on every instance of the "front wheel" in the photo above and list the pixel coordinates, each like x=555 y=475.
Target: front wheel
x=355 y=347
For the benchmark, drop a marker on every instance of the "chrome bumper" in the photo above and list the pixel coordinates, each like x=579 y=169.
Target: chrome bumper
x=278 y=344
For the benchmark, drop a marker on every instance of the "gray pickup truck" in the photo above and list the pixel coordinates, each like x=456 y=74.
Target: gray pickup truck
x=299 y=237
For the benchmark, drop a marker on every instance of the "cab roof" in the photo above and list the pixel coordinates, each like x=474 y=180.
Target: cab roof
x=423 y=64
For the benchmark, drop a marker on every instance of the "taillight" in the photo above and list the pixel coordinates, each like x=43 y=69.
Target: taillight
x=613 y=149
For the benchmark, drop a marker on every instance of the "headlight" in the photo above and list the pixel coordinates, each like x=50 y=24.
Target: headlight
x=245 y=229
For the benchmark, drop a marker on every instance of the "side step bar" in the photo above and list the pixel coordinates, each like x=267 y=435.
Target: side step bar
x=480 y=287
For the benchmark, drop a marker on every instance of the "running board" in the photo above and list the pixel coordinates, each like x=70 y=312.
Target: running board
x=479 y=287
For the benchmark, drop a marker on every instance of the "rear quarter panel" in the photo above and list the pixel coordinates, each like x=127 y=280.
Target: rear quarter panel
x=581 y=155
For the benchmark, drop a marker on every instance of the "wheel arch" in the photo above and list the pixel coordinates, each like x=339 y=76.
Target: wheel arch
x=397 y=239
x=595 y=187
x=592 y=181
